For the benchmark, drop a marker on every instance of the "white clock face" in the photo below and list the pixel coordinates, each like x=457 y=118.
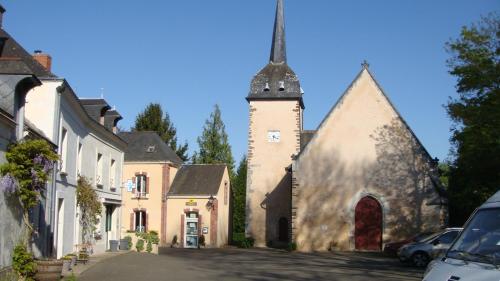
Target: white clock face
x=273 y=136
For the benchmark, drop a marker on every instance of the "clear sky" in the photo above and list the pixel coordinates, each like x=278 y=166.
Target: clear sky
x=190 y=55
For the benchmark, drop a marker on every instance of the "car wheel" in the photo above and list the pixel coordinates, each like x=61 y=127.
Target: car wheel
x=420 y=259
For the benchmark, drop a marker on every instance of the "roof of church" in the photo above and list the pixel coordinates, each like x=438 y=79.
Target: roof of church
x=198 y=179
x=276 y=80
x=147 y=146
x=14 y=59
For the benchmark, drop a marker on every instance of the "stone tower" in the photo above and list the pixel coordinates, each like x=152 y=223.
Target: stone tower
x=276 y=106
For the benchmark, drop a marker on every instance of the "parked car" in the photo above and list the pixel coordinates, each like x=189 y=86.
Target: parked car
x=475 y=254
x=421 y=253
x=392 y=248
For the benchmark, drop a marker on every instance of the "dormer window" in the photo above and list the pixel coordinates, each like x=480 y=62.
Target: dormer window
x=150 y=149
x=266 y=88
x=282 y=85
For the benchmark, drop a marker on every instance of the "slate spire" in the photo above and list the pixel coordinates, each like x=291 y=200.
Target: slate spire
x=278 y=49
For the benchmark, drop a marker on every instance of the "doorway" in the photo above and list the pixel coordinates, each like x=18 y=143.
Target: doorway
x=109 y=224
x=191 y=230
x=60 y=227
x=283 y=230
x=368 y=225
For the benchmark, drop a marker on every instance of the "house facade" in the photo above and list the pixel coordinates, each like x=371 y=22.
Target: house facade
x=149 y=169
x=18 y=75
x=361 y=179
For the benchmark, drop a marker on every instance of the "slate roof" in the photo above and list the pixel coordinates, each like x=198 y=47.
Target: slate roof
x=198 y=180
x=111 y=119
x=276 y=80
x=94 y=107
x=15 y=59
x=147 y=147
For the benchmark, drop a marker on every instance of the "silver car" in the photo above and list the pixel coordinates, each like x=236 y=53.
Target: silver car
x=421 y=253
x=475 y=255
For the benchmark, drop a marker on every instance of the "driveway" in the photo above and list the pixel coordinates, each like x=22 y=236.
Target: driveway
x=250 y=264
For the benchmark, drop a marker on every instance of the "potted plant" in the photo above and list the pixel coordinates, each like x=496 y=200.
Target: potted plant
x=24 y=175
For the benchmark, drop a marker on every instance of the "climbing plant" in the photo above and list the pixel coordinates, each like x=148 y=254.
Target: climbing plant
x=24 y=175
x=90 y=207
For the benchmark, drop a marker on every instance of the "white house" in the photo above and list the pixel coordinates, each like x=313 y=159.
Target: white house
x=88 y=146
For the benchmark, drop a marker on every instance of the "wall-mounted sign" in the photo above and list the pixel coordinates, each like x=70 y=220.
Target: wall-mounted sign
x=130 y=185
x=205 y=230
x=191 y=202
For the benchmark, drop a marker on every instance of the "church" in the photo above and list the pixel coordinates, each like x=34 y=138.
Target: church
x=359 y=180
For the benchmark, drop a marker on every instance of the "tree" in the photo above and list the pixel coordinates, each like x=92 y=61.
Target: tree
x=239 y=186
x=475 y=171
x=152 y=119
x=213 y=144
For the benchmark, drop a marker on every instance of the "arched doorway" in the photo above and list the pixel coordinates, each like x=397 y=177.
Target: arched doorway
x=283 y=230
x=368 y=225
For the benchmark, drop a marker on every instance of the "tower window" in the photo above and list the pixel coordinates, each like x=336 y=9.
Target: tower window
x=282 y=85
x=266 y=88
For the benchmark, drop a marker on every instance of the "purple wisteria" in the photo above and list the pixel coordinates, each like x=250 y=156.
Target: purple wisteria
x=47 y=164
x=8 y=184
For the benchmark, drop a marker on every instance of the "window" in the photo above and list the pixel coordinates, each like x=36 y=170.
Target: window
x=141 y=185
x=140 y=221
x=448 y=237
x=64 y=150
x=79 y=160
x=112 y=174
x=98 y=178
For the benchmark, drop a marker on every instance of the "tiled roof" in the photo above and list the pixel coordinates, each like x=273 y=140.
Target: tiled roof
x=147 y=147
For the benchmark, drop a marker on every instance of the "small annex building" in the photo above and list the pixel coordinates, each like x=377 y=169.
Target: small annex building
x=358 y=181
x=198 y=204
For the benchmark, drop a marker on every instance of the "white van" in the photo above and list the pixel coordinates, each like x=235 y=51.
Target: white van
x=475 y=254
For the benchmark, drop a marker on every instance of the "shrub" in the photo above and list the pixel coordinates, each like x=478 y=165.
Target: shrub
x=240 y=241
x=129 y=241
x=139 y=245
x=291 y=247
x=149 y=247
x=23 y=263
x=174 y=241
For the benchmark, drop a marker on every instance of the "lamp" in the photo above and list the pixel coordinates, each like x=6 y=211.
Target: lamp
x=210 y=203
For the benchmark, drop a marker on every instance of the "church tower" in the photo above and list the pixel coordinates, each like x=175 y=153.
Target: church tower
x=276 y=106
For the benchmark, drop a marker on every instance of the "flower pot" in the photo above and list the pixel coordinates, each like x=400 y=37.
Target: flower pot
x=49 y=270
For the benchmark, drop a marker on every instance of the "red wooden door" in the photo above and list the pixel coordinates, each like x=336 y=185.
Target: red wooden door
x=368 y=225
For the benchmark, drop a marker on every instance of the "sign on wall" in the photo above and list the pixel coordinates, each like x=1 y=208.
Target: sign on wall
x=191 y=202
x=205 y=230
x=130 y=185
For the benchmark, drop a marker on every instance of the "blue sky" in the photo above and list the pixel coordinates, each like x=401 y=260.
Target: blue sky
x=190 y=55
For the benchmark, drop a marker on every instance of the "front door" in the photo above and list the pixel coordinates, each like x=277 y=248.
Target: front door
x=109 y=224
x=191 y=231
x=368 y=225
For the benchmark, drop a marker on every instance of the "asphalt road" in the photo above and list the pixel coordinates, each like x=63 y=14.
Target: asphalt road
x=251 y=264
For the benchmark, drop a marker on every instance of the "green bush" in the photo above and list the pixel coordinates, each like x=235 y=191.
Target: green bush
x=291 y=247
x=240 y=241
x=139 y=245
x=23 y=263
x=149 y=247
x=72 y=277
x=129 y=241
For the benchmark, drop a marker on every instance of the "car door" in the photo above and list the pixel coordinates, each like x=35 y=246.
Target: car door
x=443 y=242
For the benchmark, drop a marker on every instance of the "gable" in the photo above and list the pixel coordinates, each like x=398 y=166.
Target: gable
x=349 y=127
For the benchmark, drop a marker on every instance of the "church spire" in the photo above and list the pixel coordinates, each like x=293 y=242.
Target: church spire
x=278 y=49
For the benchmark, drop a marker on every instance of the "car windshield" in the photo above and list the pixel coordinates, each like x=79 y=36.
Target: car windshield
x=430 y=237
x=480 y=241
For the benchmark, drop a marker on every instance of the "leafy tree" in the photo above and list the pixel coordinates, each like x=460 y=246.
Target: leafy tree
x=152 y=119
x=239 y=187
x=475 y=171
x=213 y=144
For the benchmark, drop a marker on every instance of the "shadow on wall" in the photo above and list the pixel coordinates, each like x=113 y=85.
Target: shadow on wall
x=403 y=174
x=277 y=205
x=329 y=189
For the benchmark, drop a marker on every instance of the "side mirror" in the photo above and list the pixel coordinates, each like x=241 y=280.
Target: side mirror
x=435 y=242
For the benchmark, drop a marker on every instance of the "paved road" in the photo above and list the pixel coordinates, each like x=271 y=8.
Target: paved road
x=252 y=264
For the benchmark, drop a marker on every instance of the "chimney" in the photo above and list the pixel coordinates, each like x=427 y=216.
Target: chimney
x=2 y=10
x=44 y=59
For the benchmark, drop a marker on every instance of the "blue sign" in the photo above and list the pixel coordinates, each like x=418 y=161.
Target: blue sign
x=130 y=185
